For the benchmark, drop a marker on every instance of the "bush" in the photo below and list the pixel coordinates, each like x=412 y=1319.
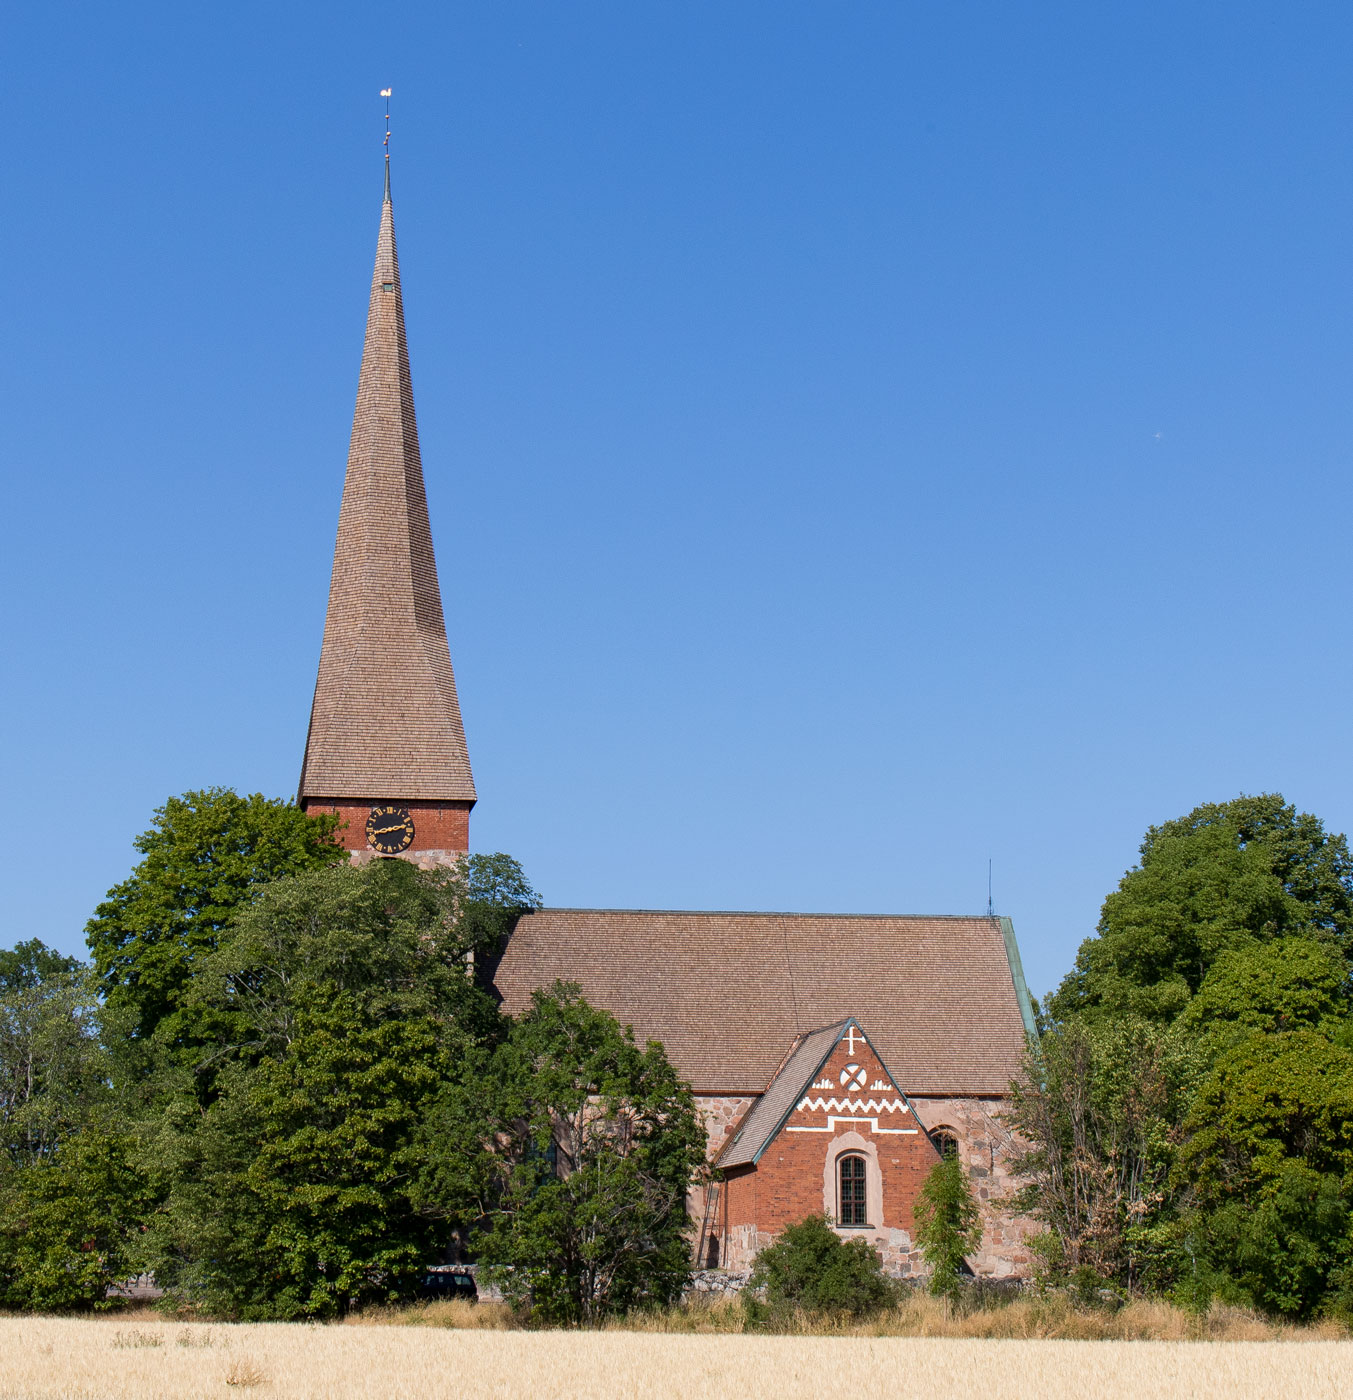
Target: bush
x=948 y=1225
x=811 y=1267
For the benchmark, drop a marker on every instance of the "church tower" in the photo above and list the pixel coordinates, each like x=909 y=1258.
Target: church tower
x=386 y=747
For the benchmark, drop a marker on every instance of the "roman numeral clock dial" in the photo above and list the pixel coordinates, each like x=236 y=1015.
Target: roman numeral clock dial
x=389 y=830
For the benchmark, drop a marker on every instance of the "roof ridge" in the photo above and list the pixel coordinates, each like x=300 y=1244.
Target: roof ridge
x=768 y=913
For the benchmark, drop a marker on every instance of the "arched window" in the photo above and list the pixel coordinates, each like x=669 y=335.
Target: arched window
x=946 y=1141
x=850 y=1192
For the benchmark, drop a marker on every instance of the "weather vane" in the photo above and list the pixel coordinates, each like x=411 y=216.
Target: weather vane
x=385 y=93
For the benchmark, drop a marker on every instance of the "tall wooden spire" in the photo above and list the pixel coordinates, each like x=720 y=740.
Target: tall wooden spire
x=385 y=727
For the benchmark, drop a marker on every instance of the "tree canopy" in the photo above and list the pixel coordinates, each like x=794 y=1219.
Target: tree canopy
x=1186 y=1116
x=1268 y=1157
x=205 y=856
x=587 y=1146
x=1224 y=877
x=1285 y=985
x=53 y=1070
x=294 y=1177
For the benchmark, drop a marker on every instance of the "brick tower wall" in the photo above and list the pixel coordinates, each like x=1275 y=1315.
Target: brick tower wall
x=441 y=829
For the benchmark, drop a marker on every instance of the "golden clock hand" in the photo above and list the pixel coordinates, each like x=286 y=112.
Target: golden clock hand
x=382 y=830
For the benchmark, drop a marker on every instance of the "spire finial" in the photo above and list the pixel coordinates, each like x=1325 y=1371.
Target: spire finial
x=385 y=93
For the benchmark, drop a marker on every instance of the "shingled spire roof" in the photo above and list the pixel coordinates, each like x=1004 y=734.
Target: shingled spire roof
x=385 y=723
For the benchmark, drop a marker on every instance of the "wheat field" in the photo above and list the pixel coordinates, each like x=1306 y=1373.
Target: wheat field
x=146 y=1359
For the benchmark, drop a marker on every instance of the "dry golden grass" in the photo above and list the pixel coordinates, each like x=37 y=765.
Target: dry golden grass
x=445 y=1312
x=57 y=1357
x=1022 y=1319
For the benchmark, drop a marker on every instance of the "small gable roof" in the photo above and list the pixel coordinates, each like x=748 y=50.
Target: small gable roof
x=767 y=1115
x=943 y=997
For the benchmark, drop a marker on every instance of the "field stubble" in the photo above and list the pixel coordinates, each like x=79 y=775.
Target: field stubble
x=120 y=1358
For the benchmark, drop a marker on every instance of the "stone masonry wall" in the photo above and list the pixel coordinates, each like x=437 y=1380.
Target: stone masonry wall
x=984 y=1145
x=720 y=1113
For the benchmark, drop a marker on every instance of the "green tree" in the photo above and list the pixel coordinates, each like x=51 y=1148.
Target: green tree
x=32 y=964
x=1096 y=1109
x=71 y=1224
x=295 y=1194
x=586 y=1147
x=295 y=1178
x=71 y=1201
x=1314 y=867
x=1280 y=986
x=53 y=1070
x=1224 y=877
x=206 y=855
x=811 y=1268
x=948 y=1225
x=399 y=938
x=1268 y=1160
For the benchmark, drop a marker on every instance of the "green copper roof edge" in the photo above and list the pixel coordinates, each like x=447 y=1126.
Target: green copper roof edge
x=1026 y=1006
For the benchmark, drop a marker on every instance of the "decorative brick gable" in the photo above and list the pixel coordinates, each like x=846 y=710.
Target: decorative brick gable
x=832 y=1099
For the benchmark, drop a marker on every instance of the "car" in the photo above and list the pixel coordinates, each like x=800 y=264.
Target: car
x=446 y=1282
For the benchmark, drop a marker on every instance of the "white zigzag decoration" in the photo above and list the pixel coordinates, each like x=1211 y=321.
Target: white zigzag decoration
x=855 y=1105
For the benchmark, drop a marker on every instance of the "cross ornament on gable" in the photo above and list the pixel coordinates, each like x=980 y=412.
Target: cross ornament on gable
x=852 y=1035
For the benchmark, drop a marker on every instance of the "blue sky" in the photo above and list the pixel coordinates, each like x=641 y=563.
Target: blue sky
x=862 y=439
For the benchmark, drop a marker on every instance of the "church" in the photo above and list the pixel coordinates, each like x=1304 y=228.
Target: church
x=834 y=1057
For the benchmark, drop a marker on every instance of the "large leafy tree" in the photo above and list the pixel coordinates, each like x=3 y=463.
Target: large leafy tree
x=1096 y=1111
x=1224 y=877
x=1313 y=866
x=295 y=1178
x=71 y=1224
x=71 y=1200
x=1285 y=985
x=52 y=1065
x=294 y=1194
x=577 y=1149
x=404 y=941
x=1182 y=1116
x=205 y=857
x=1268 y=1162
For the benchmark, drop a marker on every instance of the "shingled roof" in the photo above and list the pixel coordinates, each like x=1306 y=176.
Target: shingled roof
x=386 y=720
x=943 y=997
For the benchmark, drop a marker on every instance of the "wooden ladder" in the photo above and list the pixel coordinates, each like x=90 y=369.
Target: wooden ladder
x=711 y=1213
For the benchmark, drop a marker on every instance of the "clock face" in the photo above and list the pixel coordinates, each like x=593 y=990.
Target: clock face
x=389 y=830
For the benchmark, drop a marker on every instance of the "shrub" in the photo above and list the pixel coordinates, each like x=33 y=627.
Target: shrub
x=948 y=1225
x=811 y=1267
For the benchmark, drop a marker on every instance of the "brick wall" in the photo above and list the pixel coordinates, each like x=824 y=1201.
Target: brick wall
x=441 y=829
